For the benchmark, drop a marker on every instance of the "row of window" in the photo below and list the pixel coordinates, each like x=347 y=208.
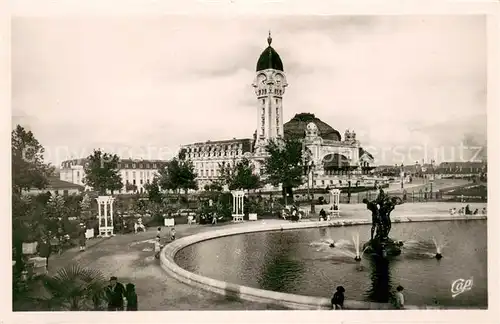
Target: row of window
x=215 y=154
x=140 y=165
x=134 y=182
x=263 y=92
x=216 y=147
x=142 y=174
x=208 y=173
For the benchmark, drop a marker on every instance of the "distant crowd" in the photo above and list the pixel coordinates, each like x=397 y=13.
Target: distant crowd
x=466 y=210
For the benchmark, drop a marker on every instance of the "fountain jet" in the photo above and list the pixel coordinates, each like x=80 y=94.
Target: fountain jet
x=355 y=241
x=439 y=247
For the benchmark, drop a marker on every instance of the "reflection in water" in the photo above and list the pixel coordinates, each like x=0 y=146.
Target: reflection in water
x=380 y=289
x=302 y=262
x=280 y=263
x=322 y=232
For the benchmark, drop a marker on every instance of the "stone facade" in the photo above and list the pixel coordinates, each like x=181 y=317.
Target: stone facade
x=334 y=158
x=133 y=172
x=209 y=157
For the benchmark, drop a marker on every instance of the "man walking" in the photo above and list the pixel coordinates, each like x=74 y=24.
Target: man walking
x=82 y=237
x=44 y=252
x=116 y=294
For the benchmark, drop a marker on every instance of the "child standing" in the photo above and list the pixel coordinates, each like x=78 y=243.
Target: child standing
x=158 y=247
x=172 y=234
x=338 y=298
x=399 y=298
x=131 y=296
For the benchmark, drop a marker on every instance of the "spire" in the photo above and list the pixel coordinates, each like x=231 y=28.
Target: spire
x=269 y=39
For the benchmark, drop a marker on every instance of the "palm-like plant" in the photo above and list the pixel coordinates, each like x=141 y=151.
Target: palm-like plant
x=75 y=288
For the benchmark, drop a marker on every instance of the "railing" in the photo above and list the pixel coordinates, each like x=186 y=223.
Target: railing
x=411 y=197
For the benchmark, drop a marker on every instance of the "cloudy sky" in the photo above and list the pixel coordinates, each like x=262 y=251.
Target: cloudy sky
x=410 y=86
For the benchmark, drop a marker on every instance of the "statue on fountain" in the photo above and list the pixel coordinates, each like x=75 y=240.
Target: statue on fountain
x=381 y=208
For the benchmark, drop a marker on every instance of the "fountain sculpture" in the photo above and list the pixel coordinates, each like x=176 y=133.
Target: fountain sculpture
x=380 y=244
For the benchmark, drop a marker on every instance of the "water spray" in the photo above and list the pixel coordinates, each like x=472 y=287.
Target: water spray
x=355 y=240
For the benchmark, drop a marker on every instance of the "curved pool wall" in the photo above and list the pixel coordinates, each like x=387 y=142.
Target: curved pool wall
x=291 y=301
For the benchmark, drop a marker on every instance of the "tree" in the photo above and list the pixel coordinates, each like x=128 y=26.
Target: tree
x=215 y=186
x=177 y=175
x=28 y=171
x=182 y=154
x=101 y=172
x=130 y=187
x=28 y=167
x=56 y=212
x=153 y=190
x=85 y=207
x=285 y=165
x=240 y=175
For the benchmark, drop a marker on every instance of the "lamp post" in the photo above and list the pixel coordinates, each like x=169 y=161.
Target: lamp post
x=311 y=196
x=402 y=175
x=349 y=182
x=433 y=176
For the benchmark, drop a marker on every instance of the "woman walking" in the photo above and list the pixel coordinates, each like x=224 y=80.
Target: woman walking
x=131 y=297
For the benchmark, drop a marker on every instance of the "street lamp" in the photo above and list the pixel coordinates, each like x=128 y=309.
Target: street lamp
x=349 y=181
x=433 y=176
x=310 y=186
x=402 y=175
x=308 y=162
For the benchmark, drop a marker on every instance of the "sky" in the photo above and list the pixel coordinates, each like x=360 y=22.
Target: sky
x=412 y=87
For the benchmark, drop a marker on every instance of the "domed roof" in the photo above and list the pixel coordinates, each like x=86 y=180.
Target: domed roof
x=269 y=59
x=297 y=127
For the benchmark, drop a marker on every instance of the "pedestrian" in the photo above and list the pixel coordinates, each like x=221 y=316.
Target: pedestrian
x=172 y=234
x=44 y=250
x=131 y=297
x=322 y=215
x=158 y=247
x=399 y=299
x=338 y=298
x=82 y=239
x=116 y=293
x=158 y=232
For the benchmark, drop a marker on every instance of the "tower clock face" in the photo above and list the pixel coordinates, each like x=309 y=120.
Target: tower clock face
x=279 y=79
x=261 y=78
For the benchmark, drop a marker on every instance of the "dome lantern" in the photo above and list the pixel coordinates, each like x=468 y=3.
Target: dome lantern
x=269 y=59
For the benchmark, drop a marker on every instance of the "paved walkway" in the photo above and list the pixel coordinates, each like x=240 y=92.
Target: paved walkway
x=130 y=258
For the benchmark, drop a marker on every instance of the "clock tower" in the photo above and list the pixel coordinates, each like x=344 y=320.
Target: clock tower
x=269 y=85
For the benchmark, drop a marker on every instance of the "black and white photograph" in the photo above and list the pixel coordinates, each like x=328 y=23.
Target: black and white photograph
x=250 y=162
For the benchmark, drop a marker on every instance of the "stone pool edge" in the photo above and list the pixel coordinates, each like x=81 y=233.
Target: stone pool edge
x=292 y=301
